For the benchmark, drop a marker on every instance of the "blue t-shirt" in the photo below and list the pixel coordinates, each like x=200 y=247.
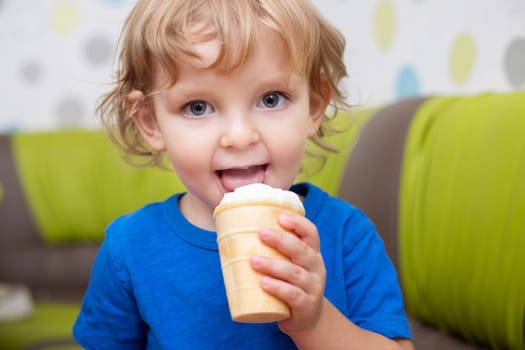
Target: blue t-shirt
x=157 y=282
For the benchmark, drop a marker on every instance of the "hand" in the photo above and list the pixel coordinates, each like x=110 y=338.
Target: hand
x=299 y=282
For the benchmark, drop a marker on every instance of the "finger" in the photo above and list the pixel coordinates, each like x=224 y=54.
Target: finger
x=289 y=293
x=305 y=268
x=283 y=270
x=302 y=227
x=298 y=251
x=303 y=303
x=286 y=281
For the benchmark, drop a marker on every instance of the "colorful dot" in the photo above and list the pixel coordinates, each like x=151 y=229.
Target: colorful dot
x=14 y=125
x=65 y=17
x=115 y=3
x=515 y=62
x=407 y=83
x=30 y=72
x=462 y=58
x=98 y=50
x=384 y=23
x=70 y=112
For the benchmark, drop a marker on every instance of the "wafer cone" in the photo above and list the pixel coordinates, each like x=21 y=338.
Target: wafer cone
x=238 y=225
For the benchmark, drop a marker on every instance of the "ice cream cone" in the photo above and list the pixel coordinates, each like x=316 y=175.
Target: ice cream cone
x=238 y=225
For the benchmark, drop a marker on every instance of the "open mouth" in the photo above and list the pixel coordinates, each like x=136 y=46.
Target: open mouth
x=237 y=177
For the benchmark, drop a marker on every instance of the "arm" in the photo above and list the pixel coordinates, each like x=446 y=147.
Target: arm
x=315 y=323
x=335 y=331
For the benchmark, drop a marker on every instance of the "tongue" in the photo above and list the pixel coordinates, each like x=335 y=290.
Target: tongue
x=233 y=178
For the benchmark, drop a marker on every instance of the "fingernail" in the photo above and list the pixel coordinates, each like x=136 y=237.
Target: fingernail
x=265 y=281
x=284 y=218
x=265 y=233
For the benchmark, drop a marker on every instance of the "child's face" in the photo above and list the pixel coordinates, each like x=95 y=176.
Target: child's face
x=223 y=130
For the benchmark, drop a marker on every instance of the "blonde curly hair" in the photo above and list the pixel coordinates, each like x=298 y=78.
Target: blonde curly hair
x=161 y=33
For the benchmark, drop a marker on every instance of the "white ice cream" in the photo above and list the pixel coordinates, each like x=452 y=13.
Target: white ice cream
x=260 y=191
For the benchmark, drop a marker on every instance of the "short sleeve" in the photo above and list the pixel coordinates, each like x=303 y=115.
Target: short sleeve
x=375 y=301
x=109 y=317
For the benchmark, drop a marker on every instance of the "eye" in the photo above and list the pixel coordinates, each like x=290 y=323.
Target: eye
x=197 y=108
x=272 y=100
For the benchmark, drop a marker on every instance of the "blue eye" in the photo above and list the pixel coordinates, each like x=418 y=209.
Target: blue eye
x=272 y=100
x=198 y=108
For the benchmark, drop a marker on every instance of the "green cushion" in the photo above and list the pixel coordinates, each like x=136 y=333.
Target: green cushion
x=462 y=217
x=50 y=327
x=76 y=183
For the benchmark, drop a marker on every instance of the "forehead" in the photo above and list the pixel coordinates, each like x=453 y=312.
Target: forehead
x=206 y=50
x=213 y=50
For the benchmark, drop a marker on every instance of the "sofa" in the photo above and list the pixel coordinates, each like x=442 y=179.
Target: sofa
x=441 y=177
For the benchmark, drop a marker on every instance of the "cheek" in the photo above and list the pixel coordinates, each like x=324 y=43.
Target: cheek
x=191 y=156
x=287 y=148
x=286 y=155
x=188 y=154
x=289 y=136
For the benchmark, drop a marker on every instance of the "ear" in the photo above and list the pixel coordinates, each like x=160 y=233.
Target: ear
x=318 y=103
x=143 y=116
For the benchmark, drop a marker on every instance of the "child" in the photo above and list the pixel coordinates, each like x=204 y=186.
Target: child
x=230 y=91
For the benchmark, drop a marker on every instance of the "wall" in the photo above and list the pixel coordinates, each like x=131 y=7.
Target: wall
x=57 y=55
x=401 y=48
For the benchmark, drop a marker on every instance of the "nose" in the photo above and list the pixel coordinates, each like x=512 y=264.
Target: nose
x=239 y=132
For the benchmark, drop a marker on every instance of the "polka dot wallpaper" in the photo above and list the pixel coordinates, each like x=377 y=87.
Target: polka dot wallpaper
x=57 y=56
x=403 y=48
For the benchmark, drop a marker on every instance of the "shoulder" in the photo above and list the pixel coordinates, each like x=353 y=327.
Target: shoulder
x=142 y=215
x=140 y=219
x=131 y=233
